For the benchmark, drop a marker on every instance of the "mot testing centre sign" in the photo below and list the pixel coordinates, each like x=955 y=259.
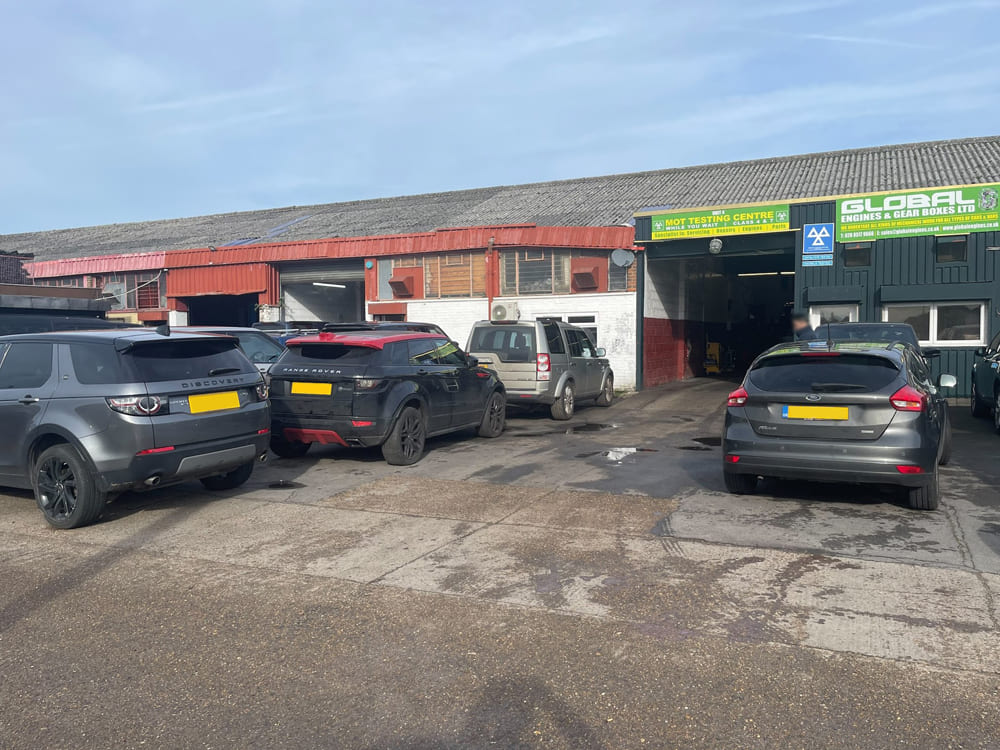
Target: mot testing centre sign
x=721 y=221
x=817 y=244
x=916 y=212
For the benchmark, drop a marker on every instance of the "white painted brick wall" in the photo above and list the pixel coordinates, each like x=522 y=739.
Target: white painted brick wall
x=615 y=320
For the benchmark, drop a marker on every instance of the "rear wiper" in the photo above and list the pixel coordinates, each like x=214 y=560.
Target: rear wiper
x=834 y=387
x=223 y=370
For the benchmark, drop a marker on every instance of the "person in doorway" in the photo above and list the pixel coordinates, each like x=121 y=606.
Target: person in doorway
x=801 y=328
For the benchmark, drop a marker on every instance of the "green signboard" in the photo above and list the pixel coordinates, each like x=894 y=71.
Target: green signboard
x=915 y=212
x=719 y=222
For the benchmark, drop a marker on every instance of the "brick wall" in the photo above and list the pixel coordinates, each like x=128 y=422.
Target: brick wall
x=665 y=350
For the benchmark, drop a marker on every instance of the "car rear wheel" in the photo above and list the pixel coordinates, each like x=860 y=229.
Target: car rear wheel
x=231 y=480
x=608 y=392
x=289 y=448
x=494 y=417
x=926 y=497
x=740 y=484
x=65 y=488
x=405 y=444
x=565 y=405
x=978 y=409
x=946 y=447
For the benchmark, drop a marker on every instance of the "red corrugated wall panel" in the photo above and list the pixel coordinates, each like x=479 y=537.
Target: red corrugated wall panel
x=99 y=264
x=251 y=278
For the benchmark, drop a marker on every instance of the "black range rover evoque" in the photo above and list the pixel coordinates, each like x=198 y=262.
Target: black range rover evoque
x=380 y=388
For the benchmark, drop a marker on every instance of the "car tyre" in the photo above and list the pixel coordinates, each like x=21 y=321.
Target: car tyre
x=565 y=405
x=740 y=484
x=230 y=480
x=608 y=392
x=926 y=497
x=978 y=408
x=289 y=448
x=495 y=416
x=65 y=488
x=946 y=447
x=405 y=444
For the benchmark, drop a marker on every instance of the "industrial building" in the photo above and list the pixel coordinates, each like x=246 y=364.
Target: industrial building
x=676 y=273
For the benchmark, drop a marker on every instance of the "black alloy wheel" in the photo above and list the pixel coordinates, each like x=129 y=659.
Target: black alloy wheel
x=495 y=416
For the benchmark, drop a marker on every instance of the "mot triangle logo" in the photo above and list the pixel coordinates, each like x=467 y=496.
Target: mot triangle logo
x=819 y=236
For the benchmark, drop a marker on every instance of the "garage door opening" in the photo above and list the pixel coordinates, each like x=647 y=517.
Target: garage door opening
x=222 y=310
x=713 y=314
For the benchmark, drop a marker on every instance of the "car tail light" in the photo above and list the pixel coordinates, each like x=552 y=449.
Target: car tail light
x=366 y=384
x=362 y=422
x=543 y=367
x=731 y=459
x=739 y=397
x=908 y=398
x=907 y=469
x=263 y=391
x=139 y=406
x=263 y=431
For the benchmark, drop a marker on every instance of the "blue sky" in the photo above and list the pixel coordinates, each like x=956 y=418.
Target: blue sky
x=126 y=110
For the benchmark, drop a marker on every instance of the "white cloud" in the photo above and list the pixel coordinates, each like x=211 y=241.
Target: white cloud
x=926 y=12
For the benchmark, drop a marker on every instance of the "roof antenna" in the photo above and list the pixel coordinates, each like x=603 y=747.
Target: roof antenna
x=163 y=330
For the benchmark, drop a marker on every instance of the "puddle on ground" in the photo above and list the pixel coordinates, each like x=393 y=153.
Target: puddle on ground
x=693 y=448
x=590 y=428
x=676 y=419
x=617 y=454
x=285 y=484
x=716 y=441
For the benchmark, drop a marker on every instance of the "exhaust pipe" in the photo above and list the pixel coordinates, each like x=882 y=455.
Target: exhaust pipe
x=262 y=457
x=152 y=481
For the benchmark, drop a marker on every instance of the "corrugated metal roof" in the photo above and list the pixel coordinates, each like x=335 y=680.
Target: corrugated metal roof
x=593 y=201
x=96 y=265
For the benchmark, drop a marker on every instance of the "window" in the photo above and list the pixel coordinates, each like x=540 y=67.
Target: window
x=27 y=365
x=509 y=343
x=857 y=254
x=147 y=291
x=259 y=347
x=422 y=351
x=953 y=249
x=848 y=372
x=618 y=278
x=576 y=343
x=456 y=259
x=178 y=360
x=943 y=323
x=534 y=272
x=587 y=322
x=554 y=338
x=96 y=364
x=821 y=314
x=447 y=353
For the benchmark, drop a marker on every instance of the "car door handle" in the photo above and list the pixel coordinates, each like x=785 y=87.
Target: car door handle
x=28 y=400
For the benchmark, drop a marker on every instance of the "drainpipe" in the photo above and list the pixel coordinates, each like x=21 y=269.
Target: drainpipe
x=491 y=273
x=640 y=316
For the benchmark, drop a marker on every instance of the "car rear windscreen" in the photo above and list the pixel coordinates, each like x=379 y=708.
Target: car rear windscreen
x=340 y=353
x=842 y=373
x=509 y=343
x=180 y=359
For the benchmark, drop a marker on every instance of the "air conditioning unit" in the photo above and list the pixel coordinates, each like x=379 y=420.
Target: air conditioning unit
x=505 y=311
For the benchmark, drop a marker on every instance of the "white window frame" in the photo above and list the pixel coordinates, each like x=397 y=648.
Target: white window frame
x=814 y=317
x=933 y=321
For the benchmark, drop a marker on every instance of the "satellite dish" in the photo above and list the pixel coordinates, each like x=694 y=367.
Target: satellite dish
x=622 y=258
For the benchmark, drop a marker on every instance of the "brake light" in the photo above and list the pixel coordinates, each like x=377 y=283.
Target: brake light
x=543 y=367
x=908 y=398
x=263 y=431
x=737 y=398
x=151 y=451
x=139 y=406
x=731 y=459
x=906 y=469
x=362 y=423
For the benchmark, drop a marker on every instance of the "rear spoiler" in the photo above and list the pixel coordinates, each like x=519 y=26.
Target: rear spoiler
x=126 y=344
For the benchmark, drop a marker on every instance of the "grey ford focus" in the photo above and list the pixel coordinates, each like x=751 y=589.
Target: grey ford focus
x=839 y=411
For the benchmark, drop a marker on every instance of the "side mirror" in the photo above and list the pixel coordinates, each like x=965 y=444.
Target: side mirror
x=980 y=352
x=599 y=352
x=930 y=353
x=947 y=381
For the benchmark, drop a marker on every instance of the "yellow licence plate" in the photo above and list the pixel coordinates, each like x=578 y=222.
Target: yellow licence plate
x=312 y=389
x=214 y=402
x=834 y=413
